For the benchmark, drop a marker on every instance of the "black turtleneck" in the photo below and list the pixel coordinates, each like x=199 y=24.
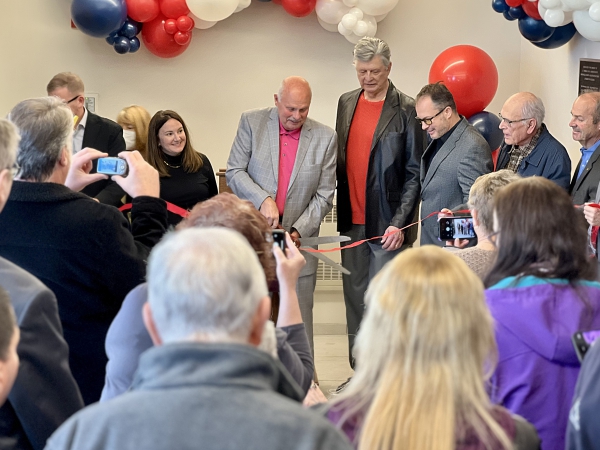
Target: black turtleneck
x=186 y=189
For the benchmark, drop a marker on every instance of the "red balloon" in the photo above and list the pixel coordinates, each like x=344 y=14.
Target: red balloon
x=531 y=9
x=514 y=3
x=171 y=26
x=159 y=42
x=185 y=23
x=470 y=74
x=174 y=8
x=182 y=38
x=299 y=8
x=142 y=10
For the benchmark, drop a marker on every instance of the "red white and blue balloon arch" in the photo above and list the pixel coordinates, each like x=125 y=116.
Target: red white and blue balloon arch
x=166 y=25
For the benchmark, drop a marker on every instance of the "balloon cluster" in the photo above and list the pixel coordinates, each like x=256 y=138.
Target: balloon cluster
x=471 y=76
x=167 y=24
x=550 y=23
x=353 y=19
x=125 y=40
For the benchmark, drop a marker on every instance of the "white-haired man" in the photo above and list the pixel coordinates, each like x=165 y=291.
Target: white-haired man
x=204 y=384
x=84 y=251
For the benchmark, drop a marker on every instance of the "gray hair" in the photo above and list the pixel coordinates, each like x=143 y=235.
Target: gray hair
x=9 y=141
x=46 y=127
x=481 y=195
x=534 y=107
x=204 y=284
x=369 y=47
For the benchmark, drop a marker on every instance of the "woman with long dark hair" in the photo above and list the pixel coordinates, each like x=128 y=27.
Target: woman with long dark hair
x=541 y=290
x=186 y=176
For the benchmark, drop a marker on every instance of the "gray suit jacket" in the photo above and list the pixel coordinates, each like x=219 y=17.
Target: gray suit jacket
x=462 y=159
x=583 y=189
x=253 y=169
x=45 y=393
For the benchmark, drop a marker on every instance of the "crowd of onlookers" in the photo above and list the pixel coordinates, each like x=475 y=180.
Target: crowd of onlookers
x=178 y=322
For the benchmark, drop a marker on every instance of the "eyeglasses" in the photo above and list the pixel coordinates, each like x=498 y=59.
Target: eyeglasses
x=510 y=122
x=429 y=120
x=73 y=99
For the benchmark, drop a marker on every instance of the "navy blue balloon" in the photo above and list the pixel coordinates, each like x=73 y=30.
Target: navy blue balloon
x=129 y=30
x=507 y=16
x=110 y=39
x=560 y=37
x=517 y=12
x=98 y=18
x=134 y=45
x=500 y=6
x=487 y=124
x=264 y=1
x=121 y=45
x=535 y=30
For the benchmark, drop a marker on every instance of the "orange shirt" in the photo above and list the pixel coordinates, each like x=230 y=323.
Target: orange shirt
x=358 y=150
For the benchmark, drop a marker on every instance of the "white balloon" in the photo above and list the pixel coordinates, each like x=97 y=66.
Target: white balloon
x=353 y=38
x=343 y=30
x=372 y=23
x=565 y=6
x=331 y=11
x=576 y=5
x=202 y=24
x=243 y=4
x=594 y=12
x=356 y=12
x=361 y=28
x=349 y=21
x=550 y=4
x=587 y=27
x=350 y=3
x=328 y=26
x=542 y=10
x=554 y=17
x=212 y=10
x=380 y=17
x=376 y=7
x=568 y=18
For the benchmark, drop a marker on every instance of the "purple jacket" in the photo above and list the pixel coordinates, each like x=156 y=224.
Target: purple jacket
x=537 y=365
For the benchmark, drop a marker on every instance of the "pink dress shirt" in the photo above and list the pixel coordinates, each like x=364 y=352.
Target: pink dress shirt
x=288 y=147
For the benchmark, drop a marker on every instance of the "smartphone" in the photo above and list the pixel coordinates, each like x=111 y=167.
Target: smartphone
x=583 y=340
x=112 y=166
x=460 y=227
x=279 y=239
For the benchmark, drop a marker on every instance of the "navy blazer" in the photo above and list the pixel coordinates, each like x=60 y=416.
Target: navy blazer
x=584 y=188
x=549 y=159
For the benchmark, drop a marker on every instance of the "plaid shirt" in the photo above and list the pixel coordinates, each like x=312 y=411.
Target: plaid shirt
x=518 y=154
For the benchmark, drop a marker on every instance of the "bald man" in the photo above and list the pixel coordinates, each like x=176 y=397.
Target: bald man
x=529 y=148
x=284 y=163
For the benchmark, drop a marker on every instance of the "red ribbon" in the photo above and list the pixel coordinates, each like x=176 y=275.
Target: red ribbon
x=170 y=207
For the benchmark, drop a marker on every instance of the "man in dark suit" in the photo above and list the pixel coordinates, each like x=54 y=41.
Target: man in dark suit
x=86 y=252
x=455 y=158
x=529 y=149
x=90 y=131
x=379 y=153
x=585 y=122
x=45 y=393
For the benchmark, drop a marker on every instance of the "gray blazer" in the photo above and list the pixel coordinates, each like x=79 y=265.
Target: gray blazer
x=462 y=159
x=583 y=190
x=253 y=169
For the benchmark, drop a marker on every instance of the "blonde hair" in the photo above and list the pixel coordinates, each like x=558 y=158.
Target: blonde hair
x=139 y=119
x=71 y=81
x=422 y=353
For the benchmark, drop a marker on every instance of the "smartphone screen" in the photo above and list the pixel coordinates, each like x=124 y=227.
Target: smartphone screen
x=457 y=228
x=279 y=239
x=112 y=166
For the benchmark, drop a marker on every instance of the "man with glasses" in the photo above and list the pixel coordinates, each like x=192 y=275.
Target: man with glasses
x=528 y=148
x=379 y=152
x=455 y=158
x=90 y=131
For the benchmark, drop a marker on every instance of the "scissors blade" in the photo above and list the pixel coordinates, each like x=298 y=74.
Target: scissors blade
x=327 y=261
x=323 y=240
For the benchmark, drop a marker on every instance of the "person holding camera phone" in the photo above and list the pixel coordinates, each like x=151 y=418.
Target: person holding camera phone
x=86 y=252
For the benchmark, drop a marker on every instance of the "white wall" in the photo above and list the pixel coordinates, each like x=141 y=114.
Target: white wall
x=239 y=63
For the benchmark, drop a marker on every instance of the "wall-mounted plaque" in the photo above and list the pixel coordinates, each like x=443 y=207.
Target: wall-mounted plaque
x=589 y=75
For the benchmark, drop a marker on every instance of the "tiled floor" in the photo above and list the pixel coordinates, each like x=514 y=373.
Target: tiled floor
x=331 y=361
